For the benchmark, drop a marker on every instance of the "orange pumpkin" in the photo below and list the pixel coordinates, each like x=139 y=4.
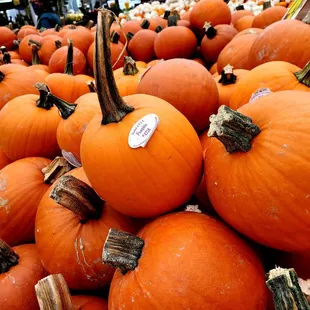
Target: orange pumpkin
x=286 y=40
x=269 y=142
x=244 y=22
x=274 y=75
x=87 y=302
x=268 y=17
x=28 y=126
x=236 y=15
x=173 y=136
x=215 y=39
x=51 y=31
x=154 y=62
x=13 y=54
x=75 y=225
x=20 y=270
x=213 y=69
x=6 y=59
x=4 y=160
x=25 y=49
x=25 y=32
x=131 y=26
x=248 y=31
x=198 y=245
x=7 y=38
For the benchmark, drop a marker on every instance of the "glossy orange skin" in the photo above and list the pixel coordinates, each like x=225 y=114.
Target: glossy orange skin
x=130 y=26
x=275 y=75
x=27 y=130
x=198 y=245
x=236 y=15
x=25 y=50
x=287 y=40
x=141 y=46
x=75 y=85
x=26 y=31
x=244 y=22
x=70 y=130
x=236 y=53
x=15 y=75
x=21 y=189
x=211 y=48
x=48 y=48
x=174 y=136
x=4 y=160
x=84 y=302
x=197 y=101
x=73 y=249
x=17 y=285
x=248 y=31
x=175 y=42
x=58 y=61
x=7 y=37
x=269 y=16
x=267 y=208
x=214 y=11
x=81 y=39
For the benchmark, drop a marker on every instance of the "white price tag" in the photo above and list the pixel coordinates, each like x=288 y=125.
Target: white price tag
x=142 y=131
x=71 y=159
x=261 y=92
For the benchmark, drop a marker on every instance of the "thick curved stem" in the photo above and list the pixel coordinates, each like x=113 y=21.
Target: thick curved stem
x=233 y=129
x=69 y=63
x=303 y=76
x=34 y=42
x=65 y=108
x=56 y=169
x=57 y=28
x=210 y=31
x=45 y=101
x=122 y=250
x=130 y=67
x=8 y=258
x=113 y=108
x=89 y=25
x=227 y=76
x=35 y=55
x=287 y=294
x=53 y=293
x=78 y=197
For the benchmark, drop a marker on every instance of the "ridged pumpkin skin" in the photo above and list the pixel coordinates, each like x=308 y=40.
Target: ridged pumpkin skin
x=214 y=11
x=167 y=179
x=197 y=101
x=4 y=160
x=198 y=245
x=269 y=16
x=255 y=192
x=84 y=302
x=286 y=40
x=73 y=249
x=7 y=37
x=16 y=76
x=70 y=130
x=27 y=130
x=21 y=189
x=211 y=48
x=17 y=285
x=236 y=15
x=244 y=22
x=275 y=75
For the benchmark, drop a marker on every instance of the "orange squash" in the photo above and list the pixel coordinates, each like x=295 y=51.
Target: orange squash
x=88 y=302
x=131 y=26
x=26 y=31
x=25 y=49
x=248 y=31
x=244 y=22
x=268 y=17
x=154 y=62
x=7 y=38
x=173 y=135
x=198 y=245
x=236 y=15
x=4 y=160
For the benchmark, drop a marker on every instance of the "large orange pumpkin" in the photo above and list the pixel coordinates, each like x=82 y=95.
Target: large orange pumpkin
x=275 y=76
x=7 y=37
x=268 y=17
x=169 y=261
x=71 y=228
x=251 y=181
x=4 y=160
x=172 y=154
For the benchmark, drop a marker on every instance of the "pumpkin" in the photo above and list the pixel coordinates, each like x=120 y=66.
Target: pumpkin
x=76 y=85
x=197 y=101
x=248 y=31
x=215 y=39
x=236 y=15
x=36 y=61
x=213 y=11
x=227 y=83
x=198 y=245
x=154 y=62
x=275 y=76
x=25 y=48
x=87 y=302
x=25 y=32
x=236 y=53
x=244 y=22
x=74 y=223
x=6 y=59
x=11 y=77
x=141 y=46
x=7 y=38
x=13 y=54
x=131 y=26
x=173 y=136
x=213 y=69
x=269 y=207
x=51 y=31
x=268 y=17
x=20 y=270
x=286 y=40
x=4 y=160
x=175 y=42
x=200 y=61
x=39 y=119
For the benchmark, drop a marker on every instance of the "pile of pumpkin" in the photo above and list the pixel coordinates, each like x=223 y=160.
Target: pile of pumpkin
x=173 y=178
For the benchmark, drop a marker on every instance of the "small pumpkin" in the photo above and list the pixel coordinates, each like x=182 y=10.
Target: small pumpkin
x=25 y=49
x=248 y=31
x=269 y=16
x=131 y=26
x=6 y=59
x=236 y=15
x=7 y=38
x=26 y=31
x=244 y=22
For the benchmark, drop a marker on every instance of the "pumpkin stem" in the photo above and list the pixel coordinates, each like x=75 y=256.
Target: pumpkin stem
x=8 y=258
x=92 y=86
x=3 y=49
x=240 y=7
x=192 y=208
x=35 y=55
x=65 y=108
x=172 y=21
x=233 y=129
x=303 y=76
x=158 y=29
x=53 y=293
x=129 y=35
x=114 y=37
x=130 y=67
x=45 y=101
x=57 y=28
x=210 y=31
x=287 y=294
x=6 y=58
x=176 y=14
x=2 y=76
x=227 y=76
x=89 y=25
x=166 y=15
x=122 y=250
x=113 y=108
x=57 y=168
x=78 y=197
x=34 y=42
x=58 y=44
x=306 y=19
x=266 y=5
x=145 y=24
x=69 y=63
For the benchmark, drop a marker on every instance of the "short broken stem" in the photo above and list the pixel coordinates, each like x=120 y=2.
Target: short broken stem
x=303 y=75
x=122 y=250
x=172 y=21
x=145 y=24
x=2 y=76
x=130 y=67
x=56 y=169
x=210 y=31
x=114 y=37
x=45 y=101
x=227 y=76
x=8 y=258
x=266 y=5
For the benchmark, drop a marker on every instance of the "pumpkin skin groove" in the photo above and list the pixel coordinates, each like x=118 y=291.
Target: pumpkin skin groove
x=267 y=195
